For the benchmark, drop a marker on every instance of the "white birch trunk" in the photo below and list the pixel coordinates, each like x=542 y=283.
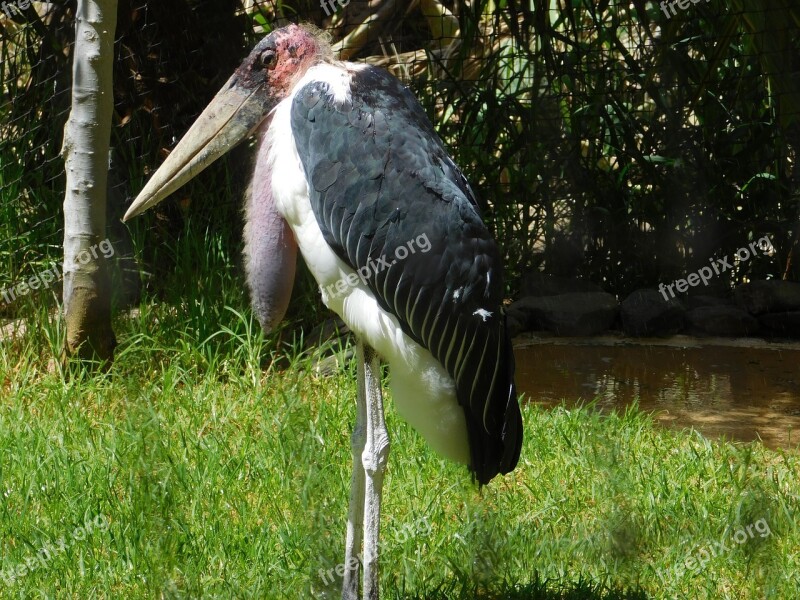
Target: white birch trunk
x=87 y=287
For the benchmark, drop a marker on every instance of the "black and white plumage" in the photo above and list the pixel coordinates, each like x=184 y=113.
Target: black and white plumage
x=379 y=178
x=350 y=170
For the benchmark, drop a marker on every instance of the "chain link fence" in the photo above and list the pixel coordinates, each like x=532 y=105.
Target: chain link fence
x=623 y=143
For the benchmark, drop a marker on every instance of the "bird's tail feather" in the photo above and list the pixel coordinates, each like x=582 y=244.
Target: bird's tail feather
x=495 y=436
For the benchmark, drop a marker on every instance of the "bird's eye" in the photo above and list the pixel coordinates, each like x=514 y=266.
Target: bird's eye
x=268 y=59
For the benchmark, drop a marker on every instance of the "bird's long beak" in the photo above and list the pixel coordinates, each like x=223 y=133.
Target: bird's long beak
x=232 y=116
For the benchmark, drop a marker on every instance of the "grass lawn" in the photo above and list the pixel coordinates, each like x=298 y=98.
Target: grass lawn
x=217 y=466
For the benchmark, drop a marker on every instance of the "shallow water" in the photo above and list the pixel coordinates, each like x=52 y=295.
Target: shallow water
x=742 y=389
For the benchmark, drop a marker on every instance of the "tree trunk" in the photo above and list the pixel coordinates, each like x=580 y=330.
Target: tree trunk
x=87 y=282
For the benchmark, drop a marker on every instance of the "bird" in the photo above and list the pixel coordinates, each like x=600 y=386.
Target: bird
x=350 y=173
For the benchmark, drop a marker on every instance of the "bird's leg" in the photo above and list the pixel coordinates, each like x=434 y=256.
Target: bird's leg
x=355 y=515
x=374 y=459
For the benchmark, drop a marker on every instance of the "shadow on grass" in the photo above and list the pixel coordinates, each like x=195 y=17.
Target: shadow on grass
x=536 y=590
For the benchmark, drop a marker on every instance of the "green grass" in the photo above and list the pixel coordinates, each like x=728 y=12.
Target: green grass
x=222 y=467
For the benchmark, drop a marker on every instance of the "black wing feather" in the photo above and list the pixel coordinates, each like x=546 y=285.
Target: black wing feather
x=380 y=177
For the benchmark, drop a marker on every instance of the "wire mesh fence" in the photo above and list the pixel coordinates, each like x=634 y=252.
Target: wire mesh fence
x=624 y=143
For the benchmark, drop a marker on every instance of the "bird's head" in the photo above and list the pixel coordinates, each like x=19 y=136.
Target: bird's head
x=280 y=60
x=244 y=103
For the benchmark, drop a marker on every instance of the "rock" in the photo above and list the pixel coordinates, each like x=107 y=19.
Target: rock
x=706 y=300
x=773 y=295
x=646 y=313
x=575 y=314
x=721 y=320
x=515 y=322
x=539 y=284
x=782 y=323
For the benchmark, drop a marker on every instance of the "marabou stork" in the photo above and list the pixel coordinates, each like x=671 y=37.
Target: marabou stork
x=350 y=170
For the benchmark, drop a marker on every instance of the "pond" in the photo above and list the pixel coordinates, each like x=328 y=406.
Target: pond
x=742 y=389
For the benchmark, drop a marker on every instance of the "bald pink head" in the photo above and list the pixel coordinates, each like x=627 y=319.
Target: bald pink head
x=281 y=59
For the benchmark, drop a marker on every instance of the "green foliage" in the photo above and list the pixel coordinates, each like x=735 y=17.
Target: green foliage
x=613 y=143
x=33 y=91
x=607 y=141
